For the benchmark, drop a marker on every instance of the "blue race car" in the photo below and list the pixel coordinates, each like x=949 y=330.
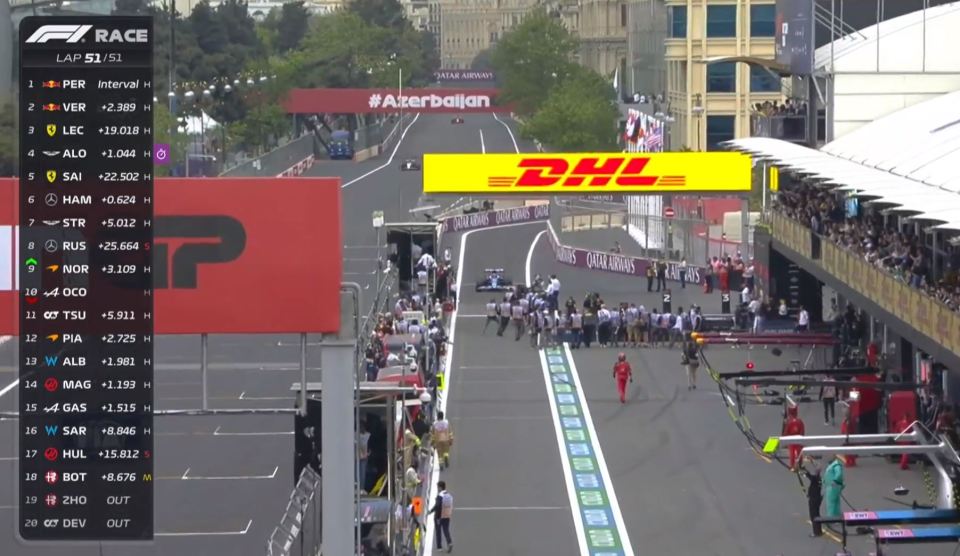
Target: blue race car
x=340 y=150
x=494 y=282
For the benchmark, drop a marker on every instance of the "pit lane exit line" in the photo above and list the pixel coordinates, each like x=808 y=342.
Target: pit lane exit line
x=206 y=533
x=186 y=477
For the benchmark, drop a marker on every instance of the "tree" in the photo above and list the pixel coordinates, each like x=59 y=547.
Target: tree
x=382 y=13
x=292 y=25
x=483 y=61
x=531 y=59
x=131 y=7
x=342 y=50
x=578 y=116
x=8 y=137
x=165 y=131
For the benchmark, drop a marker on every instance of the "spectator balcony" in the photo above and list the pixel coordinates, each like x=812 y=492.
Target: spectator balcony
x=922 y=312
x=786 y=127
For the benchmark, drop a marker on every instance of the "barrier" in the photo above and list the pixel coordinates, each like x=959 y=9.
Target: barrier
x=491 y=218
x=618 y=264
x=277 y=161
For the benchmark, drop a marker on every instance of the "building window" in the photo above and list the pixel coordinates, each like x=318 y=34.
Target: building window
x=722 y=77
x=762 y=82
x=721 y=21
x=623 y=15
x=678 y=21
x=719 y=129
x=762 y=20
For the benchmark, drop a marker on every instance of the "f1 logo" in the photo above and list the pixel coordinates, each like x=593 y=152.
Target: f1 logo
x=223 y=239
x=69 y=33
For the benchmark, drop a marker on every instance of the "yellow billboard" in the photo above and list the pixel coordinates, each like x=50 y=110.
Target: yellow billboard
x=577 y=174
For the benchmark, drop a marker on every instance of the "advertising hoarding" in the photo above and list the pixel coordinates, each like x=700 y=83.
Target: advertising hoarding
x=583 y=173
x=364 y=101
x=231 y=255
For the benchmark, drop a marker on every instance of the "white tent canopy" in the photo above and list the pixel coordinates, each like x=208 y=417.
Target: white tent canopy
x=195 y=125
x=909 y=159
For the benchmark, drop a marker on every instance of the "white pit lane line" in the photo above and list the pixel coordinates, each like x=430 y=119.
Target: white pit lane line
x=243 y=531
x=187 y=477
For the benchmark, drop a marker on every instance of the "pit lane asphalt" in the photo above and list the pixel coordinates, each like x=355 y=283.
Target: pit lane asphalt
x=240 y=467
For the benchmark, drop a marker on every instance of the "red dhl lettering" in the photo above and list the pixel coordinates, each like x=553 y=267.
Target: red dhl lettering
x=589 y=171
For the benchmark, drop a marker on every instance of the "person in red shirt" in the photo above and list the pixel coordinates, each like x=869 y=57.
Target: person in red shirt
x=622 y=372
x=901 y=427
x=793 y=426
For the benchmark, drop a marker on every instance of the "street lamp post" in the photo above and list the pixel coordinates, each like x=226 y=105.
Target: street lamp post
x=698 y=112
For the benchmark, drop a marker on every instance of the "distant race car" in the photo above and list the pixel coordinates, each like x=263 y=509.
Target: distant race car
x=457 y=120
x=340 y=150
x=494 y=282
x=410 y=164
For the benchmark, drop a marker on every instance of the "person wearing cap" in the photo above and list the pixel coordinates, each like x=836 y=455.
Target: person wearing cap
x=622 y=372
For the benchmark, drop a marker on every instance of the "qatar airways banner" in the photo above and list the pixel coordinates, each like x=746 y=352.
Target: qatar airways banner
x=463 y=75
x=363 y=101
x=614 y=263
x=491 y=218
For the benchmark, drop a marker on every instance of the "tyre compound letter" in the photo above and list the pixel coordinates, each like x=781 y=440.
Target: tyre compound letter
x=188 y=256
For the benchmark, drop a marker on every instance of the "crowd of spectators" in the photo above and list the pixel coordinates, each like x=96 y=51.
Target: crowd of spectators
x=898 y=252
x=789 y=108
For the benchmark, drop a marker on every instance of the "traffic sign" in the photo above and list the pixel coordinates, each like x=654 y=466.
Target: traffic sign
x=668 y=212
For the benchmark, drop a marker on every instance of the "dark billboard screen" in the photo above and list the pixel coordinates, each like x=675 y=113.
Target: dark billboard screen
x=794 y=34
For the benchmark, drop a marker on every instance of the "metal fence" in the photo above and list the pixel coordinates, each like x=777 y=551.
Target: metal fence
x=638 y=224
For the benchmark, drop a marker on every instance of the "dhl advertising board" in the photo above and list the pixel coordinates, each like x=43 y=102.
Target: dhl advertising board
x=577 y=174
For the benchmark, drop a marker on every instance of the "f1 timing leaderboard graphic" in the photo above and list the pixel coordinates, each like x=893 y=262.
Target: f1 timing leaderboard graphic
x=85 y=276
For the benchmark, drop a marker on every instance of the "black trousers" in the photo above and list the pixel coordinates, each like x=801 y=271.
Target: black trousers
x=504 y=323
x=443 y=526
x=649 y=283
x=683 y=279
x=813 y=506
x=829 y=409
x=661 y=280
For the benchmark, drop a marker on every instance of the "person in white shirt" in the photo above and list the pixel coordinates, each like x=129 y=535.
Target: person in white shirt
x=492 y=316
x=554 y=296
x=427 y=261
x=782 y=310
x=676 y=331
x=828 y=394
x=748 y=274
x=517 y=315
x=683 y=273
x=745 y=296
x=603 y=330
x=803 y=320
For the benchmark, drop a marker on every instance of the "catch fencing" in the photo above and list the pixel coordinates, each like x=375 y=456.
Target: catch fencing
x=639 y=225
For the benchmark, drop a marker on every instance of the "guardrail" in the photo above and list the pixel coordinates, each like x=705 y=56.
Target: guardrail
x=277 y=161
